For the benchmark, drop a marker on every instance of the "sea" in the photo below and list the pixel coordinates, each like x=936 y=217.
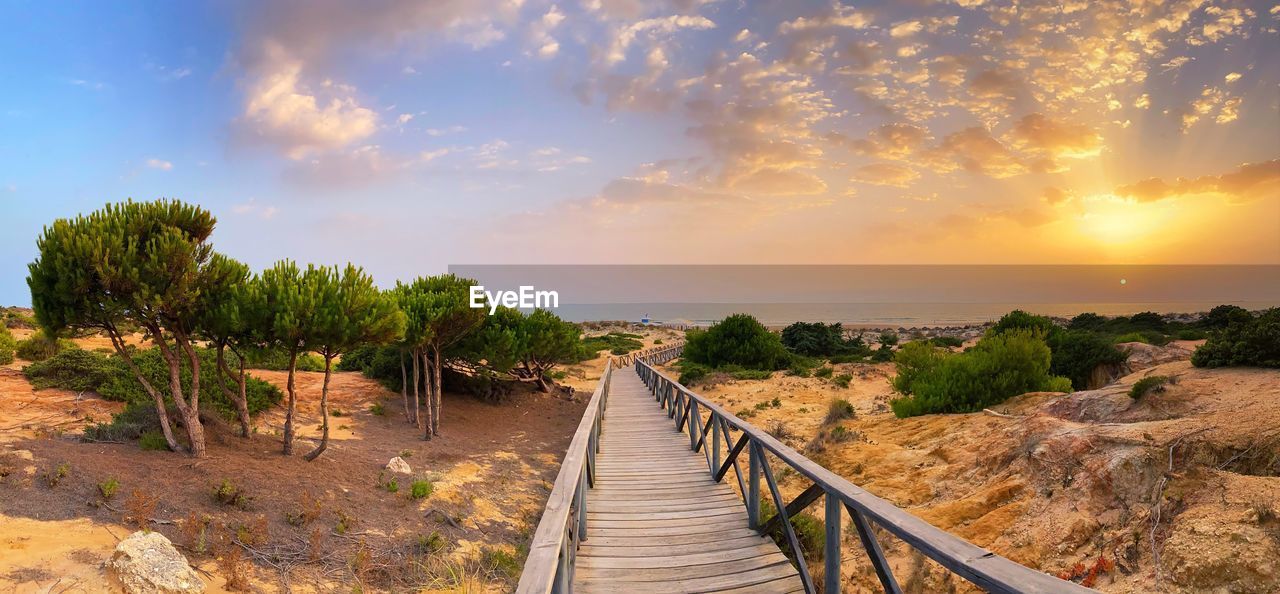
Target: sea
x=867 y=315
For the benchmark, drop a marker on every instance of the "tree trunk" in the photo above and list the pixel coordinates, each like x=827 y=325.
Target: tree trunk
x=190 y=415
x=161 y=410
x=288 y=415
x=404 y=389
x=195 y=429
x=324 y=414
x=427 y=386
x=238 y=396
x=437 y=393
x=415 y=418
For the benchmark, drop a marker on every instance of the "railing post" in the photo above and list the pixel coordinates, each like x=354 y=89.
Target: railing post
x=582 y=507
x=562 y=584
x=831 y=555
x=753 y=486
x=715 y=444
x=693 y=423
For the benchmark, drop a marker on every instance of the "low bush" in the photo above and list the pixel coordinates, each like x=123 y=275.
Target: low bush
x=1145 y=336
x=421 y=489
x=739 y=340
x=153 y=441
x=617 y=343
x=377 y=409
x=913 y=360
x=39 y=346
x=691 y=372
x=499 y=563
x=751 y=374
x=824 y=372
x=810 y=532
x=817 y=339
x=109 y=488
x=951 y=342
x=838 y=410
x=278 y=360
x=1000 y=366
x=1244 y=342
x=1077 y=353
x=842 y=380
x=134 y=422
x=1146 y=385
x=7 y=346
x=228 y=493
x=76 y=370
x=1191 y=334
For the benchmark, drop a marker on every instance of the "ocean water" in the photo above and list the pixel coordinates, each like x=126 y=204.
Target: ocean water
x=892 y=315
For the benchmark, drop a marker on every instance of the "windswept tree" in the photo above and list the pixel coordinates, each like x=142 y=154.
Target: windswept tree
x=147 y=264
x=233 y=320
x=350 y=311
x=289 y=302
x=547 y=342
x=440 y=316
x=525 y=348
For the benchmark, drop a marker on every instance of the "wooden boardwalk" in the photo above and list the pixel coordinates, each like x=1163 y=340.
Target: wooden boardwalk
x=657 y=522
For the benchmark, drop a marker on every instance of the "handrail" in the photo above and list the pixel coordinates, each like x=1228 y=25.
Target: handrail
x=983 y=568
x=563 y=527
x=549 y=566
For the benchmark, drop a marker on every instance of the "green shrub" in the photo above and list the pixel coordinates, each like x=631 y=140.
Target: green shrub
x=359 y=358
x=1251 y=342
x=1021 y=320
x=1077 y=353
x=801 y=367
x=136 y=420
x=842 y=380
x=1000 y=366
x=817 y=339
x=108 y=488
x=737 y=340
x=947 y=341
x=1223 y=316
x=751 y=374
x=1143 y=336
x=1191 y=334
x=838 y=410
x=377 y=409
x=7 y=346
x=278 y=360
x=617 y=343
x=913 y=360
x=691 y=372
x=77 y=370
x=824 y=372
x=810 y=531
x=392 y=486
x=39 y=347
x=228 y=493
x=124 y=386
x=1058 y=383
x=849 y=358
x=1087 y=321
x=153 y=441
x=421 y=489
x=495 y=561
x=1146 y=385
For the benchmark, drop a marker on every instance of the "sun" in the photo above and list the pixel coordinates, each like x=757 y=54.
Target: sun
x=1115 y=221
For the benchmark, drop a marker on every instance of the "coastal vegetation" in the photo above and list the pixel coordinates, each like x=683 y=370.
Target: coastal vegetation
x=738 y=344
x=1241 y=339
x=1000 y=366
x=149 y=267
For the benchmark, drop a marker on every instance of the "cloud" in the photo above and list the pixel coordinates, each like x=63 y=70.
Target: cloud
x=1056 y=196
x=160 y=164
x=889 y=141
x=1251 y=181
x=253 y=208
x=886 y=174
x=279 y=111
x=839 y=16
x=540 y=33
x=976 y=151
x=624 y=37
x=1057 y=138
x=905 y=28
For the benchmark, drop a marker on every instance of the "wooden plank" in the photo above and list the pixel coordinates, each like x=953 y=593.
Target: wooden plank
x=586 y=583
x=637 y=548
x=680 y=573
x=671 y=540
x=685 y=560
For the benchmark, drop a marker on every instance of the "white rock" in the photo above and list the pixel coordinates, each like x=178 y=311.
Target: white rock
x=147 y=563
x=399 y=466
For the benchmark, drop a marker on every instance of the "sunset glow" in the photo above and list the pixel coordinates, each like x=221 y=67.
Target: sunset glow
x=658 y=131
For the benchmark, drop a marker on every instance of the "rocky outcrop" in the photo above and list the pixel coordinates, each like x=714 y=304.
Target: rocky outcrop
x=147 y=563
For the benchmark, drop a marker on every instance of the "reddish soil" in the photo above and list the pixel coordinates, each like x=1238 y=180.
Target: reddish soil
x=511 y=449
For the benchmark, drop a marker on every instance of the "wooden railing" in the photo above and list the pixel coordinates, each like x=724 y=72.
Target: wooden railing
x=983 y=568
x=563 y=527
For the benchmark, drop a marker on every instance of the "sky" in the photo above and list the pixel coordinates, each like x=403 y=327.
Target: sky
x=407 y=136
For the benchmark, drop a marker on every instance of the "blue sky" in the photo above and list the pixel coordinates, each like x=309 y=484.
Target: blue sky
x=405 y=136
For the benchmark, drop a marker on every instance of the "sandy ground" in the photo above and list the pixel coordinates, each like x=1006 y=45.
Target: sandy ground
x=491 y=470
x=1052 y=481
